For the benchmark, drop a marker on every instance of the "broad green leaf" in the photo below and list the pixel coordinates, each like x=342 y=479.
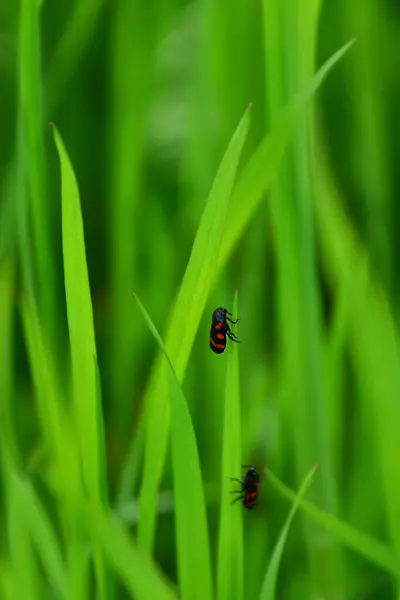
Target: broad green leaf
x=194 y=565
x=230 y=542
x=269 y=586
x=365 y=545
x=188 y=309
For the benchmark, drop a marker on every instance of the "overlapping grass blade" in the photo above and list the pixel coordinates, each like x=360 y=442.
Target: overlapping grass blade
x=269 y=585
x=262 y=167
x=139 y=574
x=194 y=566
x=230 y=542
x=362 y=543
x=191 y=300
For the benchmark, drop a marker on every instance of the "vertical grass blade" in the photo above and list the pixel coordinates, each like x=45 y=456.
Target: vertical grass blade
x=230 y=542
x=34 y=160
x=7 y=277
x=191 y=300
x=132 y=43
x=194 y=565
x=269 y=585
x=87 y=411
x=80 y=323
x=362 y=543
x=43 y=375
x=70 y=49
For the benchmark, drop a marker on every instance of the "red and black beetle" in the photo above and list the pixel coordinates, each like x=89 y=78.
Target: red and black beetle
x=220 y=329
x=249 y=487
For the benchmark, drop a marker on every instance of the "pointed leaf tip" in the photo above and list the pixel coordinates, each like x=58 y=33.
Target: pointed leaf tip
x=249 y=106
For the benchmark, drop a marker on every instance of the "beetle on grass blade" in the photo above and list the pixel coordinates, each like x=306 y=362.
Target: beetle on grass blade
x=220 y=329
x=249 y=487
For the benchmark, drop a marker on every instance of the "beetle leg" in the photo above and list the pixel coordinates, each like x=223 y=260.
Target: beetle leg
x=232 y=336
x=231 y=320
x=236 y=479
x=237 y=499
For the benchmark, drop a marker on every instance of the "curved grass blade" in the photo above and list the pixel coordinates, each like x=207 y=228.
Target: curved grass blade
x=362 y=543
x=191 y=300
x=230 y=543
x=262 y=167
x=141 y=577
x=268 y=589
x=194 y=565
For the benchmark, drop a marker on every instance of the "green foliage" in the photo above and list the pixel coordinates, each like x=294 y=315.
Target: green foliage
x=117 y=453
x=191 y=301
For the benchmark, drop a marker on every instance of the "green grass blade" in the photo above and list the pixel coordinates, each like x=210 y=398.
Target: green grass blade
x=262 y=167
x=179 y=340
x=362 y=543
x=34 y=160
x=88 y=412
x=269 y=586
x=80 y=323
x=194 y=565
x=230 y=543
x=43 y=378
x=7 y=277
x=139 y=574
x=70 y=49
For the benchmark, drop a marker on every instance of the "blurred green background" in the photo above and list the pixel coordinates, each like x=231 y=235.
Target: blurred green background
x=146 y=96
